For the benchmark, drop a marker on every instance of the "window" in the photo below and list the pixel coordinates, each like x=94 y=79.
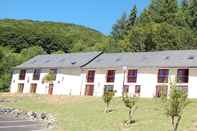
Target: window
x=108 y=88
x=54 y=71
x=90 y=76
x=22 y=75
x=89 y=90
x=126 y=89
x=132 y=76
x=110 y=75
x=20 y=87
x=36 y=75
x=163 y=76
x=137 y=89
x=161 y=90
x=33 y=88
x=183 y=88
x=182 y=75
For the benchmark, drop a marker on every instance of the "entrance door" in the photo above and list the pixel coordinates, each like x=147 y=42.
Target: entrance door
x=89 y=90
x=50 y=91
x=33 y=88
x=20 y=88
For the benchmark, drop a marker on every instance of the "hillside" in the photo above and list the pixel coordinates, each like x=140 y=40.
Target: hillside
x=51 y=36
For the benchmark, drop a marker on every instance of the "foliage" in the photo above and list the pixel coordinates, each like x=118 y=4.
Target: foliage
x=9 y=59
x=49 y=78
x=175 y=105
x=130 y=103
x=51 y=36
x=164 y=25
x=107 y=97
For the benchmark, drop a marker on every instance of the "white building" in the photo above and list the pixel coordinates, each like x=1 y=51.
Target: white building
x=144 y=74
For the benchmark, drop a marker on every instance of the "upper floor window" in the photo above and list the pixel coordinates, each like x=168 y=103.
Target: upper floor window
x=182 y=75
x=132 y=76
x=36 y=75
x=22 y=75
x=90 y=76
x=110 y=76
x=163 y=75
x=54 y=72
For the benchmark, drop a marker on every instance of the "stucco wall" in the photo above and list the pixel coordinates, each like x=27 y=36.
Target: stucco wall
x=67 y=82
x=73 y=81
x=146 y=78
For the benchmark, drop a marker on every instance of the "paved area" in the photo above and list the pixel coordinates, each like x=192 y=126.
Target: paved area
x=11 y=124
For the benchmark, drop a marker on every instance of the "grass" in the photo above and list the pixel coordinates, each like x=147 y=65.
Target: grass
x=86 y=113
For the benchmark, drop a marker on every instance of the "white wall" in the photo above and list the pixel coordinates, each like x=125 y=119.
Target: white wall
x=67 y=82
x=146 y=78
x=72 y=81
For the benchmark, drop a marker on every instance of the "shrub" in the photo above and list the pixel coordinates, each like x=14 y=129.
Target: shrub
x=130 y=103
x=175 y=105
x=107 y=97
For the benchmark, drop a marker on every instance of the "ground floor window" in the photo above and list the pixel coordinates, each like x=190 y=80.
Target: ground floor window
x=126 y=89
x=20 y=87
x=161 y=90
x=137 y=89
x=33 y=88
x=108 y=88
x=183 y=88
x=89 y=91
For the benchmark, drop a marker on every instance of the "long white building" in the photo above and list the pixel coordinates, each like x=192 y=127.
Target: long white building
x=144 y=74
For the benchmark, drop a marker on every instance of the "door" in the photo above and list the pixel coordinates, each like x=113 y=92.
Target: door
x=20 y=88
x=89 y=90
x=33 y=88
x=50 y=91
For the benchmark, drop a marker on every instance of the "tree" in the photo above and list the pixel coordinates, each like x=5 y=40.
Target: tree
x=49 y=78
x=130 y=103
x=163 y=10
x=120 y=27
x=175 y=105
x=192 y=12
x=132 y=18
x=107 y=97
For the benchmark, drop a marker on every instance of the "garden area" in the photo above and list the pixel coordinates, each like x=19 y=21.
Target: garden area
x=87 y=113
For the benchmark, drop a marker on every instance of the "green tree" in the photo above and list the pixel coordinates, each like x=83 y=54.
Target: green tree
x=175 y=105
x=120 y=27
x=163 y=10
x=107 y=97
x=132 y=18
x=130 y=103
x=192 y=14
x=49 y=78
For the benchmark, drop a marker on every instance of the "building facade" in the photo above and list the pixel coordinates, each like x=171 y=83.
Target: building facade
x=145 y=74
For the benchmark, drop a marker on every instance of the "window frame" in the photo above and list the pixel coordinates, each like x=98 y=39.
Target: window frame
x=110 y=76
x=182 y=78
x=21 y=87
x=131 y=78
x=90 y=76
x=163 y=78
x=22 y=74
x=36 y=75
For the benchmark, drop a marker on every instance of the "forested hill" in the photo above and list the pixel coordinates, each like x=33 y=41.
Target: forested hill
x=51 y=36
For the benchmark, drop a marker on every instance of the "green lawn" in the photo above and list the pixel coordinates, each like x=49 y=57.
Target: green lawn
x=86 y=113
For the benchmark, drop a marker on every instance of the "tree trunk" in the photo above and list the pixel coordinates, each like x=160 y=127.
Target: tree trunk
x=130 y=116
x=177 y=123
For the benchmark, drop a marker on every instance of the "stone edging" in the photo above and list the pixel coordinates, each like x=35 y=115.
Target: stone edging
x=46 y=118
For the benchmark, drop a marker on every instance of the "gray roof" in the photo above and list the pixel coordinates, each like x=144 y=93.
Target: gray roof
x=179 y=58
x=68 y=60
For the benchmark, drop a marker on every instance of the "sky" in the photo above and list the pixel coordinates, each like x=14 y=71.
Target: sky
x=96 y=14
